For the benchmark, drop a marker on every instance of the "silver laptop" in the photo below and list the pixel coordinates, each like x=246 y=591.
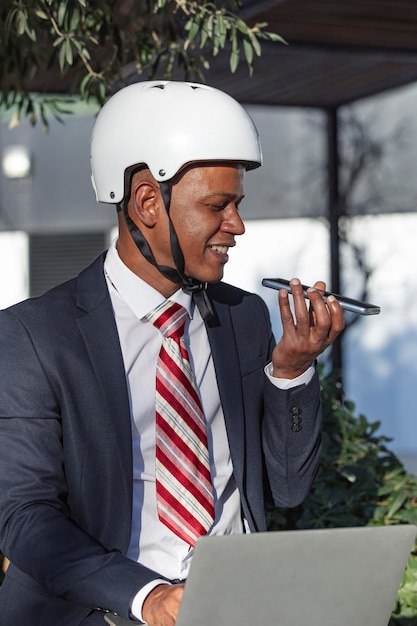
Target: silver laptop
x=343 y=576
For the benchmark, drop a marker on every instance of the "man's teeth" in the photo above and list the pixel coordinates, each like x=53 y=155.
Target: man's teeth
x=221 y=249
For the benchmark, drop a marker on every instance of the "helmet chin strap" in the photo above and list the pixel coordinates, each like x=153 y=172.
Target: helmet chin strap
x=189 y=285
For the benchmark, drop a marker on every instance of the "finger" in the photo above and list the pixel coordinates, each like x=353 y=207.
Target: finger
x=327 y=315
x=301 y=312
x=320 y=286
x=285 y=309
x=336 y=316
x=319 y=312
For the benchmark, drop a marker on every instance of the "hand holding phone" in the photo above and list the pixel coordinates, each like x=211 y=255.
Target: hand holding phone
x=348 y=304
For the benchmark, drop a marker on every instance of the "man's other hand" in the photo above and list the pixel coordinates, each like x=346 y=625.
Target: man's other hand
x=162 y=604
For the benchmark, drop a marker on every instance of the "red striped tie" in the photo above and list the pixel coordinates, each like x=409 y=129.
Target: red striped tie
x=183 y=481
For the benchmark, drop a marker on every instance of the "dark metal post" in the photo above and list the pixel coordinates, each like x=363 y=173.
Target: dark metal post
x=333 y=216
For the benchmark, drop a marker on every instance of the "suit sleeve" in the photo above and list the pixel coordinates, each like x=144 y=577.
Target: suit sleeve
x=291 y=437
x=292 y=440
x=37 y=529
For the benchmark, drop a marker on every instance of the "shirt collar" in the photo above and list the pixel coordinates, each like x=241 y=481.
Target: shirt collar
x=140 y=297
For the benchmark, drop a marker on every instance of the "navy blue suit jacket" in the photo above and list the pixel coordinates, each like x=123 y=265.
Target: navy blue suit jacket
x=65 y=445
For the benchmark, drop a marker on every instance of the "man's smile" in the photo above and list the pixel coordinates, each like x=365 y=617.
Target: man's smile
x=220 y=249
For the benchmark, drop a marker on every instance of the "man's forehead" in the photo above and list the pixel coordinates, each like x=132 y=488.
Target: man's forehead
x=208 y=167
x=213 y=171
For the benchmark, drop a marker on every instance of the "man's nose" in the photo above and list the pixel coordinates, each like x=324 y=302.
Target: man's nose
x=233 y=222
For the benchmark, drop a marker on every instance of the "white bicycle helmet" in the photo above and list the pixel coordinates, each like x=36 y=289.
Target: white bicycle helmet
x=166 y=125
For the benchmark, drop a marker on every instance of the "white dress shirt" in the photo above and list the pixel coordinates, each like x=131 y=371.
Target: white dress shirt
x=152 y=543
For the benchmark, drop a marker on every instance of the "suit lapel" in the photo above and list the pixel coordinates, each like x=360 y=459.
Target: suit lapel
x=98 y=329
x=225 y=357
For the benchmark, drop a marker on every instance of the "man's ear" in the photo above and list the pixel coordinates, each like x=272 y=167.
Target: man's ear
x=145 y=201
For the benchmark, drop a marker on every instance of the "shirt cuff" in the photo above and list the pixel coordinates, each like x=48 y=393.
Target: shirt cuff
x=139 y=599
x=289 y=383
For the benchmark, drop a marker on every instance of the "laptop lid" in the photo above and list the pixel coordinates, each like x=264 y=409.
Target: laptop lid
x=323 y=577
x=340 y=576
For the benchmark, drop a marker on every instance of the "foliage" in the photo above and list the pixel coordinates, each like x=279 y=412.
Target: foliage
x=95 y=46
x=360 y=483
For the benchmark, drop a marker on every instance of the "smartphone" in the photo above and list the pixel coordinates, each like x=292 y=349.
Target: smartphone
x=356 y=306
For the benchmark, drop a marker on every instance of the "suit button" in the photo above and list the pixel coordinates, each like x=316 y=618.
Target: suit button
x=296 y=419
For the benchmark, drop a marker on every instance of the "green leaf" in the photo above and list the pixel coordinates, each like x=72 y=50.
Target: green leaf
x=242 y=27
x=396 y=504
x=272 y=37
x=255 y=43
x=248 y=50
x=84 y=86
x=204 y=37
x=209 y=26
x=21 y=23
x=45 y=124
x=41 y=14
x=221 y=24
x=234 y=60
x=75 y=19
x=218 y=38
x=193 y=29
x=31 y=33
x=62 y=11
x=68 y=52
x=62 y=56
x=234 y=41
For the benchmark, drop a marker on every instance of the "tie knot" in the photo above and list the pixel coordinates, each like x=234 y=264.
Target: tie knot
x=169 y=318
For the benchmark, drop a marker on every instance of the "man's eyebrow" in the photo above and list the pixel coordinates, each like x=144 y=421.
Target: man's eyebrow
x=224 y=194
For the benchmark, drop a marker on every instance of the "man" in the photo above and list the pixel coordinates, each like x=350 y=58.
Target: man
x=80 y=516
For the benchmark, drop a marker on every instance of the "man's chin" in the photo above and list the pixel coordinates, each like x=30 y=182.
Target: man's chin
x=214 y=281
x=210 y=280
